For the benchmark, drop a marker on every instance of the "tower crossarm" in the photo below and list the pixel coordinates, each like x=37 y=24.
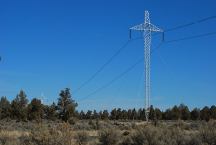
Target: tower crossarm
x=146 y=26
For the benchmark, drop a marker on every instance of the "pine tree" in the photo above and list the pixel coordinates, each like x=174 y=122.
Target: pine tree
x=19 y=107
x=142 y=114
x=184 y=111
x=89 y=114
x=82 y=115
x=195 y=114
x=158 y=114
x=113 y=114
x=129 y=114
x=51 y=112
x=205 y=113
x=167 y=115
x=152 y=113
x=35 y=110
x=175 y=113
x=134 y=114
x=105 y=115
x=95 y=115
x=213 y=112
x=5 y=108
x=139 y=112
x=119 y=114
x=66 y=105
x=124 y=115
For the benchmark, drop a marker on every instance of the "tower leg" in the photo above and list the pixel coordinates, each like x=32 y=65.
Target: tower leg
x=147 y=61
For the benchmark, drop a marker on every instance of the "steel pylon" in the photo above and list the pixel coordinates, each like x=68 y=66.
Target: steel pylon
x=147 y=28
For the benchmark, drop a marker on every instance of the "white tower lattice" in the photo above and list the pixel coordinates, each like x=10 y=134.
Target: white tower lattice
x=147 y=28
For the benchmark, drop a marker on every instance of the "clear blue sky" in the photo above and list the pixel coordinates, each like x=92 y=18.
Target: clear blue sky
x=48 y=45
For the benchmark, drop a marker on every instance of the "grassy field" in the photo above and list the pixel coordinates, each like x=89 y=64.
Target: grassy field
x=94 y=132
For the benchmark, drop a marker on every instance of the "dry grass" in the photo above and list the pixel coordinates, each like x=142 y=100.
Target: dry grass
x=14 y=134
x=109 y=133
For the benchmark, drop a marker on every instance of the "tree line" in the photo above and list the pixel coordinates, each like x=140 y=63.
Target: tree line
x=65 y=109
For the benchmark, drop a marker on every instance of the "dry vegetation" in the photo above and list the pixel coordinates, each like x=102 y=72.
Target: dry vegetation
x=96 y=132
x=23 y=123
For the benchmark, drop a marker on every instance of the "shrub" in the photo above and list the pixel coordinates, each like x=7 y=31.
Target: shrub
x=72 y=120
x=208 y=133
x=146 y=136
x=151 y=135
x=127 y=141
x=82 y=138
x=59 y=135
x=126 y=133
x=109 y=137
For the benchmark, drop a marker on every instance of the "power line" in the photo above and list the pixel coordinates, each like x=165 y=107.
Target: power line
x=102 y=67
x=190 y=24
x=114 y=79
x=119 y=76
x=127 y=42
x=192 y=37
x=140 y=60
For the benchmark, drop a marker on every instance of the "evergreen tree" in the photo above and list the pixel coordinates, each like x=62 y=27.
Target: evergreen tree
x=205 y=113
x=119 y=114
x=51 y=112
x=82 y=115
x=66 y=105
x=175 y=113
x=184 y=111
x=129 y=114
x=139 y=112
x=152 y=113
x=167 y=115
x=113 y=114
x=158 y=114
x=19 y=106
x=5 y=108
x=35 y=110
x=95 y=115
x=105 y=115
x=89 y=114
x=100 y=114
x=213 y=112
x=195 y=114
x=134 y=114
x=142 y=114
x=124 y=114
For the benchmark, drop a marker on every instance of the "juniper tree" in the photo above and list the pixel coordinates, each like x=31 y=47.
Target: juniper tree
x=5 y=108
x=19 y=106
x=66 y=105
x=195 y=114
x=205 y=113
x=213 y=112
x=184 y=111
x=35 y=110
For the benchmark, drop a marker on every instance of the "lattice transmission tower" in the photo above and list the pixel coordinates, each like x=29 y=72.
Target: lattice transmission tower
x=147 y=28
